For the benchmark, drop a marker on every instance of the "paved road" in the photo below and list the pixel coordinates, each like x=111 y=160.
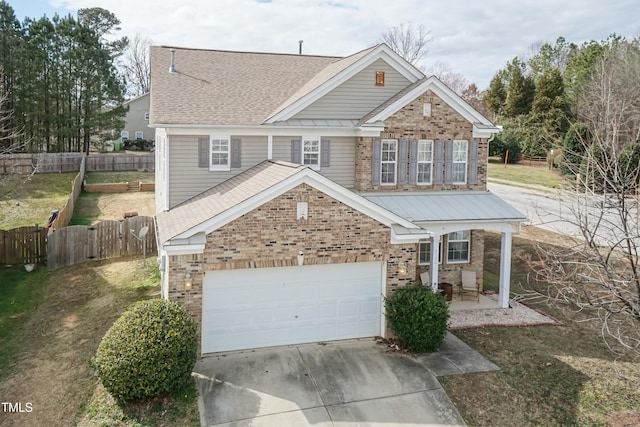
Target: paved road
x=557 y=210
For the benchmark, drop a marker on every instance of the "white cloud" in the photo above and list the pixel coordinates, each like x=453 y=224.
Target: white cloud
x=476 y=38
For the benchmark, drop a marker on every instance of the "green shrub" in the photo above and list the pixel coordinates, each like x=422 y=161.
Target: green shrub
x=150 y=350
x=418 y=317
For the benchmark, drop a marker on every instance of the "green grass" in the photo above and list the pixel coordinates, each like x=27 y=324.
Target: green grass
x=86 y=209
x=50 y=326
x=20 y=295
x=115 y=177
x=28 y=200
x=550 y=375
x=525 y=174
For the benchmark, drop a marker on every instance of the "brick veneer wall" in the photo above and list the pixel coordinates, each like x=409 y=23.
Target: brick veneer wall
x=270 y=236
x=409 y=122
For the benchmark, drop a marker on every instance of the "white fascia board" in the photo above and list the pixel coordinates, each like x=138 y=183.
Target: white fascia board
x=192 y=130
x=397 y=239
x=305 y=176
x=485 y=133
x=383 y=52
x=183 y=249
x=442 y=91
x=442 y=227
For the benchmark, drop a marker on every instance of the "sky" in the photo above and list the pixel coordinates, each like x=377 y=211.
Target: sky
x=476 y=38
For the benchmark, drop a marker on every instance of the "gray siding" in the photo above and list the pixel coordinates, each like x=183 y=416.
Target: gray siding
x=358 y=96
x=186 y=179
x=134 y=119
x=342 y=160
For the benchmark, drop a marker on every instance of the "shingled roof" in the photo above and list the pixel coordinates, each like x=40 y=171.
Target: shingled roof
x=222 y=197
x=230 y=88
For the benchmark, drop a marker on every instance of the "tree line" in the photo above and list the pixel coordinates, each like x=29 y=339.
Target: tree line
x=61 y=90
x=568 y=96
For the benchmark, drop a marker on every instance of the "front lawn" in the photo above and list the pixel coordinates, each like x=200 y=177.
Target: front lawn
x=551 y=375
x=54 y=322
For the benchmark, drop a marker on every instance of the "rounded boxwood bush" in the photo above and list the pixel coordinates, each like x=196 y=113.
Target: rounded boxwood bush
x=150 y=350
x=418 y=317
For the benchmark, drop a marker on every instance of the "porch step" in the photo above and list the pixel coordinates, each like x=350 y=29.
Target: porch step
x=133 y=187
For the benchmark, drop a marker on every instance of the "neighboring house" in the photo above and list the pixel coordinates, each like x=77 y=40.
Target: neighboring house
x=294 y=192
x=136 y=122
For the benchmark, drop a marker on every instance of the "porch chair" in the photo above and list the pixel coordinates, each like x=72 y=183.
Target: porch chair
x=469 y=285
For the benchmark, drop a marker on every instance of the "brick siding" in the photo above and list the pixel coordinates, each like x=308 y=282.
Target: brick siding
x=270 y=236
x=409 y=122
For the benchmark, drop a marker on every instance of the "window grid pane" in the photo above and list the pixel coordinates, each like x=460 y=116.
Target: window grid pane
x=219 y=152
x=425 y=159
x=388 y=161
x=459 y=167
x=458 y=246
x=311 y=152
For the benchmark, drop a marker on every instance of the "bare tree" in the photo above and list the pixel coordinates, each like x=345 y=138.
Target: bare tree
x=443 y=71
x=408 y=41
x=11 y=139
x=135 y=66
x=600 y=274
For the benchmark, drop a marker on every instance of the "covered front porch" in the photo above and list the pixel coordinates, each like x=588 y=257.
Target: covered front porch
x=446 y=212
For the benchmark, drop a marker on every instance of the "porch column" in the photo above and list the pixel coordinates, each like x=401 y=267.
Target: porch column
x=505 y=269
x=433 y=267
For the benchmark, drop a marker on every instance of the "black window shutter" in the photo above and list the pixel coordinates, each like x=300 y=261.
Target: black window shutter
x=413 y=161
x=473 y=162
x=448 y=162
x=375 y=162
x=402 y=161
x=438 y=164
x=325 y=153
x=203 y=152
x=236 y=153
x=296 y=151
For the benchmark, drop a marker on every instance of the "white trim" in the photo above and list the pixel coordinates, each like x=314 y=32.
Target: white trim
x=383 y=292
x=325 y=131
x=443 y=92
x=269 y=147
x=219 y=168
x=183 y=249
x=449 y=241
x=314 y=179
x=382 y=51
x=383 y=162
x=317 y=139
x=418 y=162
x=454 y=162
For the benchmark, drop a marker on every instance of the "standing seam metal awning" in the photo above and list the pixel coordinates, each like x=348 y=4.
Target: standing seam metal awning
x=448 y=206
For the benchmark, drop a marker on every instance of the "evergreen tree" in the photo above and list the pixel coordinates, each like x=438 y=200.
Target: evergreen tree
x=496 y=95
x=519 y=93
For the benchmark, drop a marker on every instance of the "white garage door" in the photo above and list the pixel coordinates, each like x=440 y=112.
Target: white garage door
x=264 y=307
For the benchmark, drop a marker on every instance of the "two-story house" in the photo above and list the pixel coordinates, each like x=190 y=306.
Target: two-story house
x=136 y=120
x=295 y=192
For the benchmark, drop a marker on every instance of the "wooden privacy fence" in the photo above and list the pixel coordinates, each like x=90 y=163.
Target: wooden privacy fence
x=64 y=216
x=106 y=239
x=23 y=245
x=26 y=163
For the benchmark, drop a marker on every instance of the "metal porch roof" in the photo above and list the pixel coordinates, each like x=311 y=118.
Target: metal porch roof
x=448 y=206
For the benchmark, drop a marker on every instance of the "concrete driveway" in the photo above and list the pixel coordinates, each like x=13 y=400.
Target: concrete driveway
x=343 y=383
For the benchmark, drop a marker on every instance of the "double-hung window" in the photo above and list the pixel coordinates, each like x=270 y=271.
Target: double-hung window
x=424 y=252
x=458 y=247
x=425 y=161
x=311 y=152
x=219 y=154
x=459 y=166
x=388 y=161
x=139 y=134
x=124 y=135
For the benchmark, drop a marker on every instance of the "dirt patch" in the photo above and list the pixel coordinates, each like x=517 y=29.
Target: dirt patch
x=113 y=206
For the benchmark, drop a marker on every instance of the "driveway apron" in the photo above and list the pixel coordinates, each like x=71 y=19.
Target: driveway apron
x=343 y=383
